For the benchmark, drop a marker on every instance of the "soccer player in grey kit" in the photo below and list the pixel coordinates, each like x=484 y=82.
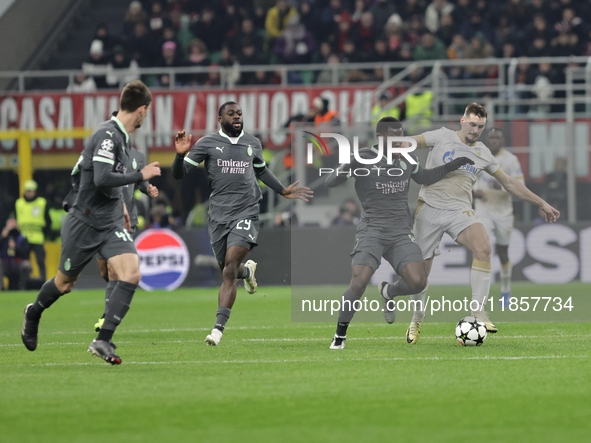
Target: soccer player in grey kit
x=234 y=161
x=95 y=223
x=385 y=226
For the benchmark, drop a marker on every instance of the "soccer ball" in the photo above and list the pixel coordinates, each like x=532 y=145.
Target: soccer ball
x=470 y=331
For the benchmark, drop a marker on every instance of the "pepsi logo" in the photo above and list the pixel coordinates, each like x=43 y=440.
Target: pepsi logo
x=164 y=259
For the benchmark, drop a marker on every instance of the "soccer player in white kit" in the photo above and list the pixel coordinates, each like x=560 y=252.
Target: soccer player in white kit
x=494 y=206
x=446 y=207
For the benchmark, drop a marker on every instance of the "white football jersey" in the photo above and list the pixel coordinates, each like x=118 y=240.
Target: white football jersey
x=498 y=201
x=454 y=191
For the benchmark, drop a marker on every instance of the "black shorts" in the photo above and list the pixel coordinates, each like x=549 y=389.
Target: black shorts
x=243 y=232
x=399 y=251
x=80 y=243
x=133 y=232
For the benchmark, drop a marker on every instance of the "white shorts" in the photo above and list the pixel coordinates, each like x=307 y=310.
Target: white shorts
x=499 y=225
x=431 y=224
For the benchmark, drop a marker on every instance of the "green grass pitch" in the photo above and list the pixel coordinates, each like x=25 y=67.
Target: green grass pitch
x=274 y=380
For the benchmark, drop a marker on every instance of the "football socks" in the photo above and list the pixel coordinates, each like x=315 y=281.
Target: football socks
x=401 y=287
x=347 y=307
x=480 y=282
x=419 y=308
x=222 y=317
x=118 y=304
x=46 y=297
x=506 y=271
x=245 y=272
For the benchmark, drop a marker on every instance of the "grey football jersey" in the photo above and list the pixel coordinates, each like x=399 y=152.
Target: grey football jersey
x=384 y=192
x=235 y=192
x=138 y=161
x=105 y=166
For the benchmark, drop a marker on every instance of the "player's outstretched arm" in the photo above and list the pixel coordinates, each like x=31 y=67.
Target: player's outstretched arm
x=182 y=144
x=338 y=176
x=105 y=177
x=519 y=190
x=301 y=192
x=429 y=176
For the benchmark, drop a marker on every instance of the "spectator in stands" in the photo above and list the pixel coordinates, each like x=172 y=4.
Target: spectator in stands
x=538 y=7
x=213 y=77
x=435 y=11
x=210 y=29
x=326 y=76
x=349 y=214
x=345 y=32
x=109 y=41
x=82 y=83
x=247 y=31
x=525 y=76
x=310 y=19
x=430 y=48
x=381 y=10
x=120 y=60
x=411 y=8
x=14 y=256
x=405 y=53
x=571 y=24
x=479 y=48
x=538 y=48
x=141 y=46
x=170 y=58
x=350 y=53
x=198 y=58
x=462 y=11
x=458 y=47
x=564 y=45
x=296 y=45
x=134 y=15
x=415 y=30
x=539 y=29
x=277 y=20
x=545 y=77
x=96 y=62
x=331 y=16
x=394 y=33
x=158 y=19
x=231 y=20
x=249 y=56
x=364 y=33
x=517 y=11
x=447 y=30
x=321 y=56
x=505 y=31
x=226 y=58
x=380 y=52
x=477 y=25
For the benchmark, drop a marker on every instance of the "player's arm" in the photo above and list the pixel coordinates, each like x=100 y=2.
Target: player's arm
x=519 y=190
x=187 y=157
x=269 y=179
x=144 y=186
x=427 y=177
x=421 y=143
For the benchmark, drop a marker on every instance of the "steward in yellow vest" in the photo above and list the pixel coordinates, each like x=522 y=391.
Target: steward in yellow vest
x=32 y=215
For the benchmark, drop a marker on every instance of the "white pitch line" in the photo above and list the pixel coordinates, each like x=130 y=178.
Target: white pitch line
x=435 y=337
x=201 y=362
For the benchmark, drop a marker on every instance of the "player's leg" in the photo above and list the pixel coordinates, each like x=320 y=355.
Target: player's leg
x=503 y=230
x=406 y=259
x=360 y=277
x=227 y=295
x=506 y=271
x=77 y=249
x=428 y=231
x=110 y=276
x=475 y=238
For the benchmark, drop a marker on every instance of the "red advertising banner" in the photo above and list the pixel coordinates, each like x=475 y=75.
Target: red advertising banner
x=265 y=111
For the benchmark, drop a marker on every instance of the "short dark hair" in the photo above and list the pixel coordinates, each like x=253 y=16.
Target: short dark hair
x=476 y=109
x=224 y=107
x=134 y=95
x=388 y=123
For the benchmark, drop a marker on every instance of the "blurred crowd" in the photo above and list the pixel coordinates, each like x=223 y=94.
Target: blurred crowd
x=266 y=32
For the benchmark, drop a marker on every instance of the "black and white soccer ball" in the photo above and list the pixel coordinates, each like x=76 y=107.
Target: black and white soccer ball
x=470 y=331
